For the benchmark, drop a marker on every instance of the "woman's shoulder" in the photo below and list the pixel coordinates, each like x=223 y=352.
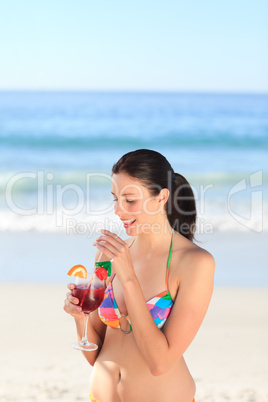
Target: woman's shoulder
x=189 y=258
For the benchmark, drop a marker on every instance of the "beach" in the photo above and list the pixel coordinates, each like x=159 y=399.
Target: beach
x=57 y=150
x=228 y=358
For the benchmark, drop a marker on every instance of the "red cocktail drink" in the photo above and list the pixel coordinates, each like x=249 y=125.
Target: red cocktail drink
x=90 y=298
x=89 y=290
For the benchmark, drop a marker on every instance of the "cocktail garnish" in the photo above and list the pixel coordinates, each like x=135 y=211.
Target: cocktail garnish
x=78 y=270
x=101 y=273
x=105 y=264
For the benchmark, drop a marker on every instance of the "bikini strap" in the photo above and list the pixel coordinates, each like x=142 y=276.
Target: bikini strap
x=169 y=258
x=170 y=251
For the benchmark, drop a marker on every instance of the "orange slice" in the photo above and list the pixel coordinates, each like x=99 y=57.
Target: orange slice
x=78 y=270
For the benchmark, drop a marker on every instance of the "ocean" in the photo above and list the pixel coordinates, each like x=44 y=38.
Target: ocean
x=57 y=150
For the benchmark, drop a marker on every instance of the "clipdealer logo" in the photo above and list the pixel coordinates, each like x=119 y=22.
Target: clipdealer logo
x=253 y=185
x=51 y=197
x=50 y=200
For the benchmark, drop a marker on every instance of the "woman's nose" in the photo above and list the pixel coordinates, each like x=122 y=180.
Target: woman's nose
x=117 y=208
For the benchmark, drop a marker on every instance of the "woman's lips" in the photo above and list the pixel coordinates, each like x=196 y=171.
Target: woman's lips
x=128 y=223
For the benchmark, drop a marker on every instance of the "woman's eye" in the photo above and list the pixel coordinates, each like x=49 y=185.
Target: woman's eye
x=128 y=201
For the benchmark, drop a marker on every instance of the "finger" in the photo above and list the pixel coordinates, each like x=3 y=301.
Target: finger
x=108 y=233
x=116 y=242
x=71 y=308
x=71 y=286
x=108 y=241
x=72 y=299
x=111 y=245
x=73 y=312
x=105 y=250
x=77 y=309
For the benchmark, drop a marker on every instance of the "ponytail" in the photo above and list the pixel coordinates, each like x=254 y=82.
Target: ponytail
x=181 y=208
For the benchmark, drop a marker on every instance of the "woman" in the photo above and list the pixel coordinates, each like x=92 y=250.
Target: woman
x=159 y=290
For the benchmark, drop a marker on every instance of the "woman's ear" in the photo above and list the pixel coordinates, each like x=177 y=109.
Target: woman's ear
x=163 y=195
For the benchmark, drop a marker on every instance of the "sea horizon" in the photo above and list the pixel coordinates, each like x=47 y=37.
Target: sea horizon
x=135 y=90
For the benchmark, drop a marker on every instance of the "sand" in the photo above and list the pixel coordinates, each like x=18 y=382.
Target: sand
x=228 y=358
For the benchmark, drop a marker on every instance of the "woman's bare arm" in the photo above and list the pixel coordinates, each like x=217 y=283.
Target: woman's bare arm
x=161 y=349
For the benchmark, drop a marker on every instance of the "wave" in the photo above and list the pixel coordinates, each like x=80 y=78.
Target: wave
x=166 y=140
x=87 y=225
x=99 y=181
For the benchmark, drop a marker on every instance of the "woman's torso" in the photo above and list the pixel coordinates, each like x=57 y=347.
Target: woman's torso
x=121 y=375
x=120 y=372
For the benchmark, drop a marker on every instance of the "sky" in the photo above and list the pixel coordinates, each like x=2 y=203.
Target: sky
x=143 y=45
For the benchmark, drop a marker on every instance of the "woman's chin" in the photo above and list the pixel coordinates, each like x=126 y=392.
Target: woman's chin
x=131 y=230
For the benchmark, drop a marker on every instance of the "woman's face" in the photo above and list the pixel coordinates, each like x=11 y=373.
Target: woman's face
x=136 y=207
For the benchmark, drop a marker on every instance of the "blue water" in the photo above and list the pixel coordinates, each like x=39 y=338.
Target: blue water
x=214 y=140
x=71 y=125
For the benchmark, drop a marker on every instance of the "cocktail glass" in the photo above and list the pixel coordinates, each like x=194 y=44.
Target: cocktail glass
x=90 y=292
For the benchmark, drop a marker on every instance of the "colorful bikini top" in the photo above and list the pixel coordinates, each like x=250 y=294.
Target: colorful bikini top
x=159 y=306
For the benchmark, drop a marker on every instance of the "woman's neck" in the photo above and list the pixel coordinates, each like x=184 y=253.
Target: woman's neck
x=154 y=239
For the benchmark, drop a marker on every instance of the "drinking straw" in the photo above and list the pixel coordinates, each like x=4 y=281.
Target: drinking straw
x=100 y=257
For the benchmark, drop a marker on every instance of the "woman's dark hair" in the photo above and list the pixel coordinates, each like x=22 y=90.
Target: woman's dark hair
x=155 y=172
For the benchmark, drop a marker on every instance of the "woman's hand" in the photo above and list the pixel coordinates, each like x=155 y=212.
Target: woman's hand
x=117 y=250
x=71 y=304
